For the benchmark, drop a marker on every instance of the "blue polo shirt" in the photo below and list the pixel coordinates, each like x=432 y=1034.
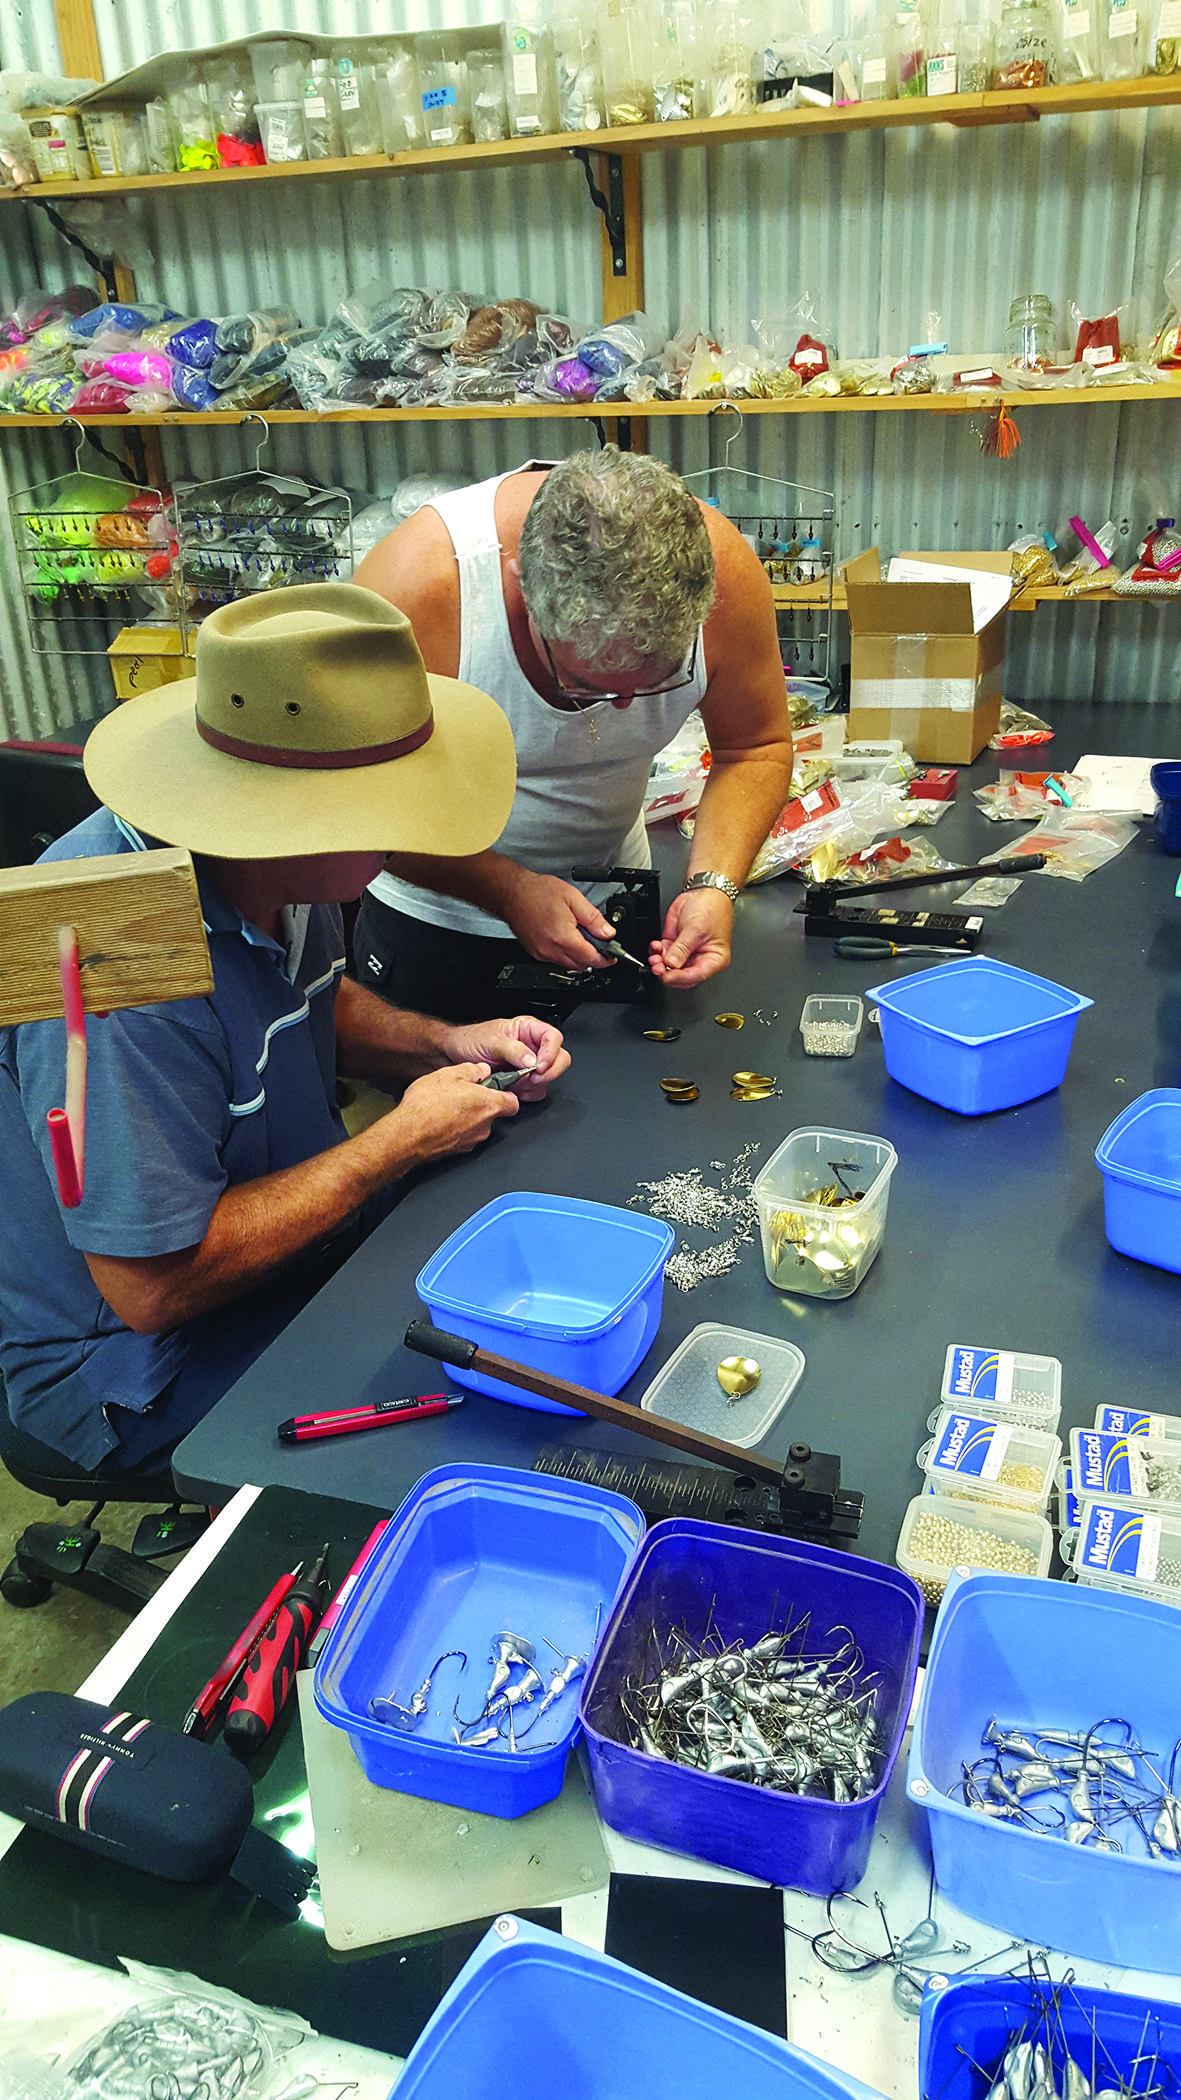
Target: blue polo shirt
x=182 y=1101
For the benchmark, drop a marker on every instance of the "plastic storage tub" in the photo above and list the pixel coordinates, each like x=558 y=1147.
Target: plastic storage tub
x=1165 y=780
x=810 y=1248
x=598 y=2027
x=1047 y=1655
x=1004 y=1383
x=990 y=1461
x=978 y=1035
x=1137 y=1472
x=742 y=1583
x=1130 y=1550
x=983 y=1525
x=567 y=1286
x=1069 y=1506
x=472 y=1550
x=830 y=1024
x=1139 y=1157
x=971 y=2021
x=1132 y=1421
x=687 y=1390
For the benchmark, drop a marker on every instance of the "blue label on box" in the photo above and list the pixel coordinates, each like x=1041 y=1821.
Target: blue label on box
x=440 y=98
x=974 y=1374
x=969 y=1444
x=1124 y=1421
x=1106 y=1464
x=1120 y=1541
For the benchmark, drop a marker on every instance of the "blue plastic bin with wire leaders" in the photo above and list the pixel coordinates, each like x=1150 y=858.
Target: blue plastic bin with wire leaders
x=978 y=1035
x=1034 y=1655
x=474 y=1551
x=1139 y=1157
x=743 y=1584
x=562 y=1284
x=966 y=2026
x=591 y=2026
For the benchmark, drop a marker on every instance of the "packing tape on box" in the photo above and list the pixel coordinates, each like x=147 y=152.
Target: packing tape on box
x=954 y=695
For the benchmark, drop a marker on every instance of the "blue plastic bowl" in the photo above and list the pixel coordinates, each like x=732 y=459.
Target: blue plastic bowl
x=598 y=2027
x=472 y=1550
x=742 y=1582
x=977 y=1035
x=971 y=2021
x=1048 y=1655
x=1165 y=779
x=552 y=1281
x=1139 y=1157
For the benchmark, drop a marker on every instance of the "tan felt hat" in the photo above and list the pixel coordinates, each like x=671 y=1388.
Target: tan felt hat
x=311 y=727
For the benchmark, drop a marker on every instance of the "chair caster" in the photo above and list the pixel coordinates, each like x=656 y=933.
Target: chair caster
x=22 y=1590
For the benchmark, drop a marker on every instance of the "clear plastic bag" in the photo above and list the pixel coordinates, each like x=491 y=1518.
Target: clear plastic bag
x=578 y=69
x=321 y=111
x=530 y=88
x=677 y=60
x=356 y=97
x=1100 y=342
x=1018 y=727
x=1033 y=564
x=731 y=67
x=679 y=773
x=399 y=102
x=230 y=86
x=1164 y=37
x=1121 y=38
x=493 y=328
x=182 y=2033
x=489 y=96
x=1075 y=843
x=1020 y=798
x=1076 y=24
x=192 y=124
x=627 y=49
x=836 y=833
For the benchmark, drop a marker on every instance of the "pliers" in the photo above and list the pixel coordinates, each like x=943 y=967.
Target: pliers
x=867 y=944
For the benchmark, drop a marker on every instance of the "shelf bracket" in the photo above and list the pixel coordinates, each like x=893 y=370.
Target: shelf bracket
x=610 y=204
x=103 y=267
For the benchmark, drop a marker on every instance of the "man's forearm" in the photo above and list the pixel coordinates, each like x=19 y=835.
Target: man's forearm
x=382 y=1043
x=487 y=879
x=742 y=798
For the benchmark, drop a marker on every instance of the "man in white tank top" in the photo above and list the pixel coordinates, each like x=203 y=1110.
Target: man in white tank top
x=598 y=603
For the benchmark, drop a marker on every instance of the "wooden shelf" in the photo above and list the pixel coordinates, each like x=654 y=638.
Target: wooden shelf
x=615 y=411
x=964 y=111
x=797 y=597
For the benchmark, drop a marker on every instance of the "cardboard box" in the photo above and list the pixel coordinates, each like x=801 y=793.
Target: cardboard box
x=142 y=658
x=917 y=669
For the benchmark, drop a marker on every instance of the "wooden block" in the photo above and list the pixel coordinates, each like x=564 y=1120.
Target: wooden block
x=141 y=936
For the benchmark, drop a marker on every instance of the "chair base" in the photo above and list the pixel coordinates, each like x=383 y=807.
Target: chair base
x=74 y=1557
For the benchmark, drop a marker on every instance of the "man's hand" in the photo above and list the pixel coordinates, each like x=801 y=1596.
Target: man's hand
x=547 y=916
x=447 y=1111
x=696 y=942
x=527 y=1044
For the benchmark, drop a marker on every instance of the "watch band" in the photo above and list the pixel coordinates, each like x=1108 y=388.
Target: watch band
x=709 y=879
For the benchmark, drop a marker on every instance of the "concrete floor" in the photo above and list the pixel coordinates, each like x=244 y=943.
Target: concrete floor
x=55 y=1645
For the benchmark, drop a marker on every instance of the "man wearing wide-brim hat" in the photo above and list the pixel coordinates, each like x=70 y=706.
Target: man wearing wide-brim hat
x=221 y=1188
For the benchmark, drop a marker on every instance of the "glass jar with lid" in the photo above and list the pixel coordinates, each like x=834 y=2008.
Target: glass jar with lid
x=1031 y=339
x=1024 y=49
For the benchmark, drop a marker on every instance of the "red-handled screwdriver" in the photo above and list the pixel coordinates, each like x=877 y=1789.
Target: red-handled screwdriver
x=269 y=1674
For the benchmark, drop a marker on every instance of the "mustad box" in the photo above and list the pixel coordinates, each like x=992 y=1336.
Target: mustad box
x=928 y=650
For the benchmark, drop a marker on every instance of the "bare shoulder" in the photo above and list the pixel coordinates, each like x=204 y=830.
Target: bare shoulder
x=414 y=568
x=743 y=593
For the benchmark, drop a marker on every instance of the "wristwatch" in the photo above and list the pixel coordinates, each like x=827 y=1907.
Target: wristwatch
x=709 y=879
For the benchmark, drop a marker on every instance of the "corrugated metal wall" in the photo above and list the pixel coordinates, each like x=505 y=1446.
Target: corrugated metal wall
x=881 y=228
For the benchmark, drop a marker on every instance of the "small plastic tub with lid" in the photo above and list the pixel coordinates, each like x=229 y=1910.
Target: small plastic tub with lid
x=687 y=1388
x=1133 y=1421
x=1070 y=1509
x=823 y=1250
x=830 y=1025
x=1135 y=1551
x=941 y=1533
x=973 y=1455
x=1134 y=1472
x=1005 y=1383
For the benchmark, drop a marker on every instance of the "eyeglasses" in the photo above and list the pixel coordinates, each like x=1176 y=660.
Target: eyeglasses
x=585 y=696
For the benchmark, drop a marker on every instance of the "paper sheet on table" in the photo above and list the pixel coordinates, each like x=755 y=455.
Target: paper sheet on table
x=1117 y=783
x=990 y=592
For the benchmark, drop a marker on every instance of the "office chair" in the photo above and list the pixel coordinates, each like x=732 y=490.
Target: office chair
x=44 y=792
x=73 y=1555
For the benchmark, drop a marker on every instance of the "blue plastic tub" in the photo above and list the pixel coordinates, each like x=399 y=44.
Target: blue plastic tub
x=474 y=1550
x=1139 y=1157
x=978 y=1035
x=591 y=2026
x=970 y=2022
x=687 y=1571
x=567 y=1286
x=1165 y=780
x=1048 y=1655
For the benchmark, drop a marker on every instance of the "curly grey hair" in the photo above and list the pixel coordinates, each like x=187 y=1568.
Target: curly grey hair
x=615 y=560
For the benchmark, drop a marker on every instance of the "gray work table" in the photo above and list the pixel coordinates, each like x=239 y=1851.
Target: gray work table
x=995 y=1228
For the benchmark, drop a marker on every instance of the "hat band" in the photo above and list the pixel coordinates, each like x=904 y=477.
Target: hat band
x=317 y=761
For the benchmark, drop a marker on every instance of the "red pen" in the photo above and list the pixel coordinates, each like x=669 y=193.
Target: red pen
x=302 y=1429
x=209 y=1697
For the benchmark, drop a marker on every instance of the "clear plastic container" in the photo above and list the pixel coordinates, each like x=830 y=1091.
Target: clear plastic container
x=321 y=111
x=989 y=1461
x=356 y=95
x=1137 y=1552
x=1133 y=1421
x=1077 y=54
x=1069 y=1506
x=399 y=102
x=910 y=50
x=281 y=125
x=279 y=65
x=986 y=1536
x=974 y=46
x=818 y=1250
x=676 y=62
x=1024 y=45
x=1136 y=1472
x=1164 y=38
x=830 y=1024
x=686 y=1389
x=530 y=87
x=579 y=72
x=443 y=88
x=874 y=59
x=485 y=73
x=161 y=143
x=628 y=52
x=59 y=151
x=1122 y=37
x=1004 y=1383
x=116 y=140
